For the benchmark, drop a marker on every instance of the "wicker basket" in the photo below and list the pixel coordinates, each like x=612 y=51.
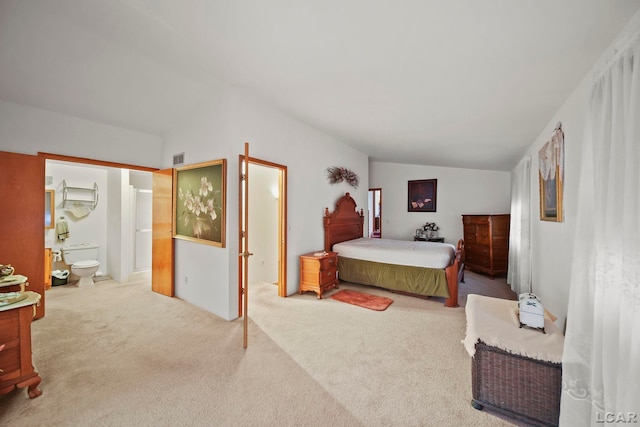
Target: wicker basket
x=515 y=387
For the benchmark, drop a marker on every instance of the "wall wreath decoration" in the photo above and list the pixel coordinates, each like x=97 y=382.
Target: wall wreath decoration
x=337 y=174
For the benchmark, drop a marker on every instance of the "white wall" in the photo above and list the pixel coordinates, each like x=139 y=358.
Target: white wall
x=89 y=229
x=30 y=130
x=459 y=191
x=218 y=130
x=201 y=271
x=263 y=223
x=552 y=243
x=307 y=153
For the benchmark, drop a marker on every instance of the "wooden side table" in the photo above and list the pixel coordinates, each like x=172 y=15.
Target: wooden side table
x=318 y=272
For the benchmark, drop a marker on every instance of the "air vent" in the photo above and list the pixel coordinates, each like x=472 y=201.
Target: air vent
x=178 y=159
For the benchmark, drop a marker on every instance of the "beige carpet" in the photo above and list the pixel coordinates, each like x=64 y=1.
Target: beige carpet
x=120 y=355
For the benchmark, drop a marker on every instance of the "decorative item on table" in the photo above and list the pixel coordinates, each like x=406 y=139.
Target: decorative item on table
x=337 y=174
x=531 y=312
x=431 y=230
x=6 y=270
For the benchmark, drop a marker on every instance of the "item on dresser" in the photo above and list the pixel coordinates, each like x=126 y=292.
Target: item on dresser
x=531 y=312
x=486 y=239
x=6 y=270
x=318 y=272
x=396 y=265
x=14 y=280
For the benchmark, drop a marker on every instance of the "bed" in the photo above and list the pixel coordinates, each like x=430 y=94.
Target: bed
x=415 y=268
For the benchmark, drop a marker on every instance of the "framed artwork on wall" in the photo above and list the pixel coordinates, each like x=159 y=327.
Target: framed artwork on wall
x=199 y=202
x=422 y=195
x=551 y=176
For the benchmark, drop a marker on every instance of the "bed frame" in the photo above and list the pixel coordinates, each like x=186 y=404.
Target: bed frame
x=346 y=223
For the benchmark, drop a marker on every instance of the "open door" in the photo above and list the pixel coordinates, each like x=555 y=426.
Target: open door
x=22 y=225
x=162 y=233
x=243 y=257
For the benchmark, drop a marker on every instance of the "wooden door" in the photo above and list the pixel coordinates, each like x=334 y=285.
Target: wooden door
x=22 y=224
x=162 y=233
x=243 y=257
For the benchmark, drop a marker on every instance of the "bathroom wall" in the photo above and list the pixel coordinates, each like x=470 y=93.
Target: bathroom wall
x=111 y=225
x=89 y=229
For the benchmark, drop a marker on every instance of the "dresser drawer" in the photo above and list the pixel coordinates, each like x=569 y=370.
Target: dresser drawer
x=470 y=219
x=10 y=361
x=477 y=255
x=328 y=263
x=327 y=276
x=9 y=326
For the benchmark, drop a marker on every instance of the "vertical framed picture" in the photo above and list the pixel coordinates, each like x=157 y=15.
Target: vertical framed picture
x=422 y=195
x=551 y=177
x=199 y=202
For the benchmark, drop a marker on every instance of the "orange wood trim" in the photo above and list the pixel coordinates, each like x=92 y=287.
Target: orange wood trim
x=63 y=158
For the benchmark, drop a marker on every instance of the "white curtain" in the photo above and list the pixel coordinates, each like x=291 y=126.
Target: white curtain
x=519 y=269
x=601 y=361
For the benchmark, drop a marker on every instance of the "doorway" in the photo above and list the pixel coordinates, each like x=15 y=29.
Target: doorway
x=267 y=219
x=375 y=212
x=119 y=220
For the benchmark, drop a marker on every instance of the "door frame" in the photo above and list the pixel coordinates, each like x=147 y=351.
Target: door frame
x=282 y=225
x=95 y=162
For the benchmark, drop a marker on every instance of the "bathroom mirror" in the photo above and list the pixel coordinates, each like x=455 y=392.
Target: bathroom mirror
x=49 y=207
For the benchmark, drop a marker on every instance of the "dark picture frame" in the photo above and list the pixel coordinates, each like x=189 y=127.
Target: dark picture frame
x=422 y=195
x=199 y=202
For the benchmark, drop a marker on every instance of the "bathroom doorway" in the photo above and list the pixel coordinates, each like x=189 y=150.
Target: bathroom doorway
x=120 y=221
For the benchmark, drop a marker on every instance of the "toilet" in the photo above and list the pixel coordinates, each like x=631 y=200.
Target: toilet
x=83 y=260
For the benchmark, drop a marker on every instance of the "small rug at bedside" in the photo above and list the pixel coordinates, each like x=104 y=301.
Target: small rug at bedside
x=372 y=302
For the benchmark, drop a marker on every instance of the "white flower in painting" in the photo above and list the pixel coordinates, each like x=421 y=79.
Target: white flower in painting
x=205 y=187
x=200 y=208
x=211 y=210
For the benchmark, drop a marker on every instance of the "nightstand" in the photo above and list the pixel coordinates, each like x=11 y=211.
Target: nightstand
x=318 y=272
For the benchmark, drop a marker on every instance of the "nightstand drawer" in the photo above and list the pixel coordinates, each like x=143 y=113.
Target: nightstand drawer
x=327 y=276
x=328 y=263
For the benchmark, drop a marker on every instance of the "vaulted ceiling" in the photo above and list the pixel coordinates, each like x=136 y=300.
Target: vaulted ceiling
x=460 y=83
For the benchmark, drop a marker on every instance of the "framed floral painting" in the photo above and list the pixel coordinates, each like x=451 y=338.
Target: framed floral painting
x=422 y=195
x=200 y=202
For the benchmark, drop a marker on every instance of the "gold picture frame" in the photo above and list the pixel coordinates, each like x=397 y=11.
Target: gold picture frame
x=49 y=208
x=551 y=177
x=200 y=202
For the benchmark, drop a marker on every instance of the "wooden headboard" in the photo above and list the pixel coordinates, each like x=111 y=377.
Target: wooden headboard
x=344 y=223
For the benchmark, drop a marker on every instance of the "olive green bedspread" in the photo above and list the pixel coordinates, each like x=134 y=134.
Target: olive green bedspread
x=415 y=280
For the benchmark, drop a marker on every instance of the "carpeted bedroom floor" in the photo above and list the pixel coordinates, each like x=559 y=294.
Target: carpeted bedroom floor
x=120 y=355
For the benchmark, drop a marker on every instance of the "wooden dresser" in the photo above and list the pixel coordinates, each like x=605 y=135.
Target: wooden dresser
x=16 y=368
x=318 y=272
x=486 y=241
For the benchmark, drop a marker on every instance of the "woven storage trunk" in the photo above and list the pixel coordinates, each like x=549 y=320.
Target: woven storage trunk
x=517 y=387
